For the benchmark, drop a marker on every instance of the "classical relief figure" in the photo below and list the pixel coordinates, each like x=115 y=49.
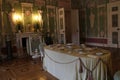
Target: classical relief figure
x=92 y=19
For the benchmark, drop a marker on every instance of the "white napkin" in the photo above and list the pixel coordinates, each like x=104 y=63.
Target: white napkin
x=92 y=56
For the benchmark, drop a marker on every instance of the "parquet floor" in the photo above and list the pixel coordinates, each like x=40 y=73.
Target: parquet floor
x=23 y=69
x=115 y=52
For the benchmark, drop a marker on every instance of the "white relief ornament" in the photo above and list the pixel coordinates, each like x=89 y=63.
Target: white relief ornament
x=92 y=19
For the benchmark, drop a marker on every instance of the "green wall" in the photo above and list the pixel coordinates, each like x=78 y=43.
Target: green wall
x=94 y=17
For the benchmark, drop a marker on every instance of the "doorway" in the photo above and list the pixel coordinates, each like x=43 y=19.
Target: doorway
x=114 y=24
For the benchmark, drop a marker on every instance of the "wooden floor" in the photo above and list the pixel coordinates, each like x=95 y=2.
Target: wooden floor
x=23 y=69
x=115 y=52
x=26 y=69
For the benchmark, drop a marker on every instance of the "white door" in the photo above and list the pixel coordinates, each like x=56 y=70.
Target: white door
x=61 y=27
x=75 y=26
x=114 y=24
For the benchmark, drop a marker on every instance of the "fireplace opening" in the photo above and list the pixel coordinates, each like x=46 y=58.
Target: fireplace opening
x=24 y=44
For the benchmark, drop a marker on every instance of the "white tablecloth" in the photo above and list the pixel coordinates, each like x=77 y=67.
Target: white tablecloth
x=68 y=67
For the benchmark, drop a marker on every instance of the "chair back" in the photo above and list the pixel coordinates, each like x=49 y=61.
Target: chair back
x=41 y=49
x=117 y=75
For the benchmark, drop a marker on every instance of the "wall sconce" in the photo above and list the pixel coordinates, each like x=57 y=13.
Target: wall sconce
x=37 y=18
x=17 y=19
x=37 y=21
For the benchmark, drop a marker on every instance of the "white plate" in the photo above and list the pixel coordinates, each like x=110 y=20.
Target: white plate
x=88 y=49
x=77 y=50
x=80 y=52
x=99 y=53
x=69 y=44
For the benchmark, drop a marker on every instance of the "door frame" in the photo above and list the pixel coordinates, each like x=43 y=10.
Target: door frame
x=112 y=29
x=61 y=26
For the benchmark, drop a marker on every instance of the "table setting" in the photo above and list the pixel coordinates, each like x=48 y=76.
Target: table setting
x=81 y=62
x=75 y=50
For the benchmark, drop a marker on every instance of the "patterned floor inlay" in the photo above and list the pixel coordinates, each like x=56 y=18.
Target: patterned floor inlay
x=23 y=70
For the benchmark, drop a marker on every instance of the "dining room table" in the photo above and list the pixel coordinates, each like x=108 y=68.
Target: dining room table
x=75 y=62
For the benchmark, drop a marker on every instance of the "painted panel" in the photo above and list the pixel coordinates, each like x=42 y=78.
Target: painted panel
x=92 y=21
x=51 y=17
x=96 y=19
x=102 y=28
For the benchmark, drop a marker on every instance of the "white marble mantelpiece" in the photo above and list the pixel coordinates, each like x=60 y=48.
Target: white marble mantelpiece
x=29 y=39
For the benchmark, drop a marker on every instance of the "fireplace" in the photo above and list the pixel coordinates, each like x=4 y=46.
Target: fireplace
x=24 y=43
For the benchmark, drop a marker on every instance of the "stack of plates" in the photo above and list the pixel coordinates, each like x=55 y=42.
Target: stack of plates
x=99 y=53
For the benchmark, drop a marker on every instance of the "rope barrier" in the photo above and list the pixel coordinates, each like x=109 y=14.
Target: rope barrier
x=89 y=72
x=99 y=60
x=60 y=62
x=92 y=68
